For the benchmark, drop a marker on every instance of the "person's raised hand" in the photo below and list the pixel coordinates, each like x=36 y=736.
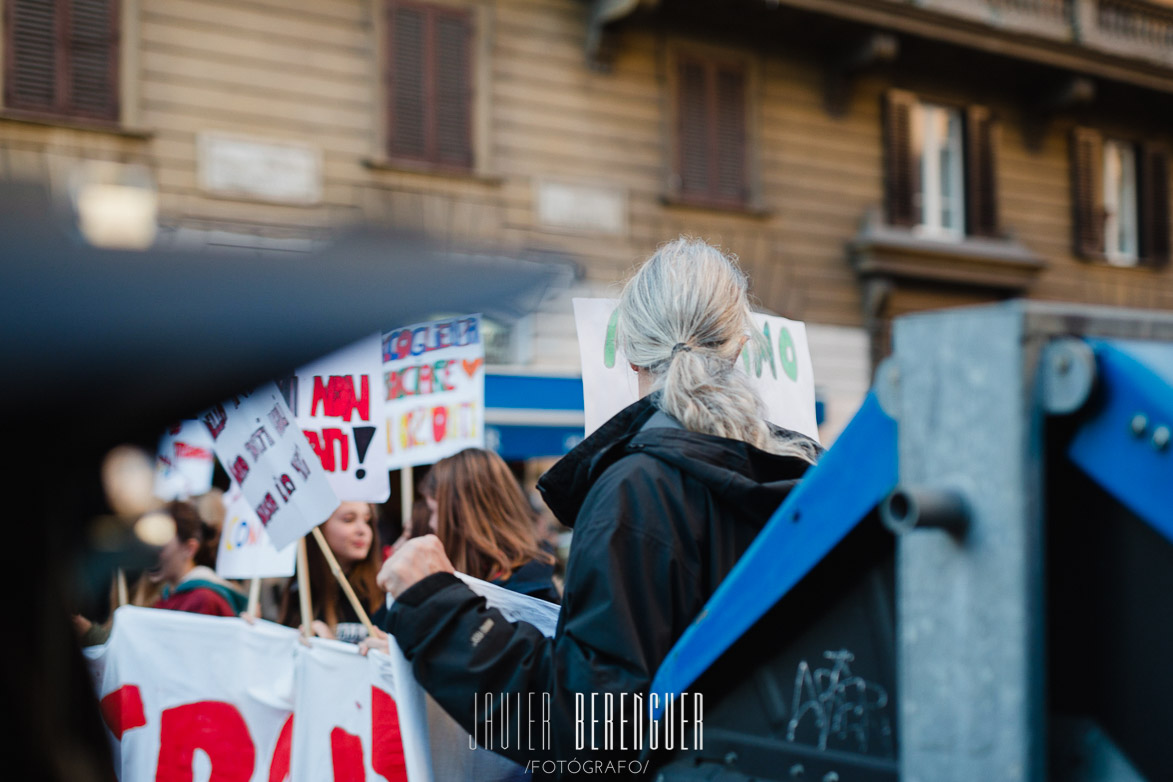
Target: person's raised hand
x=415 y=560
x=321 y=629
x=377 y=642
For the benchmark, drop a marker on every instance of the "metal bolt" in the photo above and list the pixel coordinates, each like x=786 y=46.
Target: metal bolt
x=730 y=758
x=1062 y=366
x=1161 y=438
x=830 y=776
x=797 y=771
x=1139 y=424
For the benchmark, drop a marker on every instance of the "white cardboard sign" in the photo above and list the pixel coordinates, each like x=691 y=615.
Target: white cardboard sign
x=782 y=374
x=257 y=440
x=433 y=390
x=338 y=403
x=246 y=551
x=184 y=462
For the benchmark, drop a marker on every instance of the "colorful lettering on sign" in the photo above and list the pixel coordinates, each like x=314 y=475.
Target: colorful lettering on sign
x=788 y=353
x=259 y=442
x=285 y=487
x=442 y=422
x=336 y=397
x=239 y=469
x=324 y=445
x=419 y=379
x=266 y=509
x=241 y=534
x=402 y=343
x=216 y=419
x=278 y=419
x=760 y=351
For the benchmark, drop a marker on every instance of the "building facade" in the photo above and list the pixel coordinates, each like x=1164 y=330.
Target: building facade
x=864 y=158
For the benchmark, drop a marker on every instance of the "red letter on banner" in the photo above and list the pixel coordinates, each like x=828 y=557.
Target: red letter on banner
x=386 y=743
x=279 y=766
x=213 y=726
x=123 y=710
x=346 y=751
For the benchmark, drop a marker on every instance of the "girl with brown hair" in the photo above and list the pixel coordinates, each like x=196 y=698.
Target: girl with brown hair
x=488 y=530
x=353 y=538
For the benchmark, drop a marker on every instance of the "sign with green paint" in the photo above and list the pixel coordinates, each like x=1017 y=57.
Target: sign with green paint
x=779 y=364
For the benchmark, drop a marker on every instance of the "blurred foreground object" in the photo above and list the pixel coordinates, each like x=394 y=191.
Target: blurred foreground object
x=1018 y=625
x=102 y=348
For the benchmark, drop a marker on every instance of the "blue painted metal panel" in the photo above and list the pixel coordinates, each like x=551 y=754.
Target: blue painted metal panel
x=516 y=443
x=533 y=392
x=853 y=476
x=1136 y=379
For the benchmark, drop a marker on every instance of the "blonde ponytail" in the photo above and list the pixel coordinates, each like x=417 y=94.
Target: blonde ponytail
x=685 y=317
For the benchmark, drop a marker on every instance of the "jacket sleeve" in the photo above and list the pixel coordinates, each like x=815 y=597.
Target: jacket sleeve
x=617 y=623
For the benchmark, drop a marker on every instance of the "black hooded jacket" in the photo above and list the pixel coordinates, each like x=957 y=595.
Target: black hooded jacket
x=660 y=516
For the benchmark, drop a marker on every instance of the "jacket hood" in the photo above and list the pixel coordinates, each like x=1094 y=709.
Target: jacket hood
x=203 y=577
x=733 y=470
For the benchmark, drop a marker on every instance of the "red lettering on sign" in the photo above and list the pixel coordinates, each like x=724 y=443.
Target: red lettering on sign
x=386 y=742
x=346 y=752
x=239 y=469
x=185 y=451
x=279 y=766
x=216 y=419
x=324 y=445
x=123 y=710
x=212 y=726
x=266 y=509
x=337 y=399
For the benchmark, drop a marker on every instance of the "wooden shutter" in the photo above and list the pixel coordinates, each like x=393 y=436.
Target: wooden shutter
x=693 y=132
x=902 y=180
x=981 y=172
x=1087 y=172
x=1153 y=201
x=407 y=101
x=429 y=83
x=728 y=142
x=453 y=91
x=32 y=55
x=91 y=34
x=711 y=132
x=62 y=57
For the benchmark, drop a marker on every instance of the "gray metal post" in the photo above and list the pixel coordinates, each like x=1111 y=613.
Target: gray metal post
x=970 y=625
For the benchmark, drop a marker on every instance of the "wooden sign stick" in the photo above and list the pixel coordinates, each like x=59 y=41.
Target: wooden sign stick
x=342 y=582
x=303 y=587
x=254 y=597
x=120 y=588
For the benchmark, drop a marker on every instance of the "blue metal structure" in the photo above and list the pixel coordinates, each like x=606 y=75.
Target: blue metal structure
x=848 y=482
x=1125 y=445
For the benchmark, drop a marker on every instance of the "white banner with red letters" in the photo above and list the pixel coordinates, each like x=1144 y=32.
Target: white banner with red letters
x=257 y=440
x=187 y=696
x=338 y=403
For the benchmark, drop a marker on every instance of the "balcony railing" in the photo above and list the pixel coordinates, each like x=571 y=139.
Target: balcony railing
x=1136 y=29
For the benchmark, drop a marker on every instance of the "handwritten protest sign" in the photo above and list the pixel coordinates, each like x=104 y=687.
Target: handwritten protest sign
x=433 y=390
x=256 y=439
x=184 y=462
x=246 y=551
x=780 y=368
x=337 y=403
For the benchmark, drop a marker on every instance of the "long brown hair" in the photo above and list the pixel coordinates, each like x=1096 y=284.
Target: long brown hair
x=482 y=517
x=325 y=593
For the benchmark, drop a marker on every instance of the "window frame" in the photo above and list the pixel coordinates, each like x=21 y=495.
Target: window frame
x=127 y=89
x=1111 y=206
x=714 y=57
x=481 y=20
x=931 y=198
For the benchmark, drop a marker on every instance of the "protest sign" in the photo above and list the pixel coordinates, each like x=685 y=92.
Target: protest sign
x=246 y=551
x=433 y=390
x=337 y=403
x=780 y=368
x=184 y=462
x=256 y=439
x=189 y=696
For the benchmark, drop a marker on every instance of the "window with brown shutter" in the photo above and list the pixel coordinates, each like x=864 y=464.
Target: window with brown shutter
x=61 y=58
x=1087 y=193
x=711 y=133
x=922 y=147
x=429 y=84
x=1154 y=204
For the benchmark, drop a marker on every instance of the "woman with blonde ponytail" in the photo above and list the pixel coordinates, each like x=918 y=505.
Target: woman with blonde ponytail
x=664 y=499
